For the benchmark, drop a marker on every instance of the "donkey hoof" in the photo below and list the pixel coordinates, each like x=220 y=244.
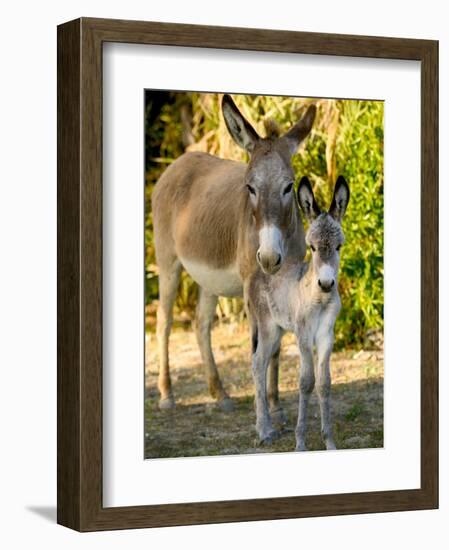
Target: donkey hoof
x=330 y=446
x=226 y=404
x=167 y=403
x=279 y=417
x=268 y=440
x=300 y=447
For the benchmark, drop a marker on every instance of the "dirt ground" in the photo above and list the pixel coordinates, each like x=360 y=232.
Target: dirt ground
x=197 y=427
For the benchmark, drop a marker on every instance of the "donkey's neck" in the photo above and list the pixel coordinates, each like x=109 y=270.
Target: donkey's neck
x=295 y=238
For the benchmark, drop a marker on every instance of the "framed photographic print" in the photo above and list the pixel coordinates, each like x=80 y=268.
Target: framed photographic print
x=247 y=274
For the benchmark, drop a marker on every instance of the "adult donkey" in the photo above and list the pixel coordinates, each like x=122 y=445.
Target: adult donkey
x=222 y=221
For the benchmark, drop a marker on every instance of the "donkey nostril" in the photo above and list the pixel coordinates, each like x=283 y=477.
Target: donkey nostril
x=258 y=255
x=326 y=285
x=278 y=260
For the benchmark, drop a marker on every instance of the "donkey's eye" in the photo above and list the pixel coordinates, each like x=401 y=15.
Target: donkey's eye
x=312 y=248
x=251 y=190
x=288 y=188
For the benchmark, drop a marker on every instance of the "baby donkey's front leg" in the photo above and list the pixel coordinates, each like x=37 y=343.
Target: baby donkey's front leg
x=324 y=344
x=306 y=385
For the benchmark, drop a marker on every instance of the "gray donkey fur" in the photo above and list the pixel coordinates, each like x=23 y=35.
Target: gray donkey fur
x=302 y=297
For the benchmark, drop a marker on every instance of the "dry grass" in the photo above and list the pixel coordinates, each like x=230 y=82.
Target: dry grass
x=198 y=428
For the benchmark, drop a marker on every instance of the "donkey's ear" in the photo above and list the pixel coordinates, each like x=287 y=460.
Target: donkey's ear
x=240 y=129
x=307 y=200
x=300 y=130
x=340 y=199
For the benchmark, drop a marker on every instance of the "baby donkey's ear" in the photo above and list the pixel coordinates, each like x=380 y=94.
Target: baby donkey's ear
x=307 y=200
x=340 y=199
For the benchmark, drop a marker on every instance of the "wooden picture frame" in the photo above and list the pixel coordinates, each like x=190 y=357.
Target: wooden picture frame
x=80 y=351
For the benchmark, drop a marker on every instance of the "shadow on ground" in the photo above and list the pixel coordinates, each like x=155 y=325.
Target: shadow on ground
x=46 y=512
x=197 y=427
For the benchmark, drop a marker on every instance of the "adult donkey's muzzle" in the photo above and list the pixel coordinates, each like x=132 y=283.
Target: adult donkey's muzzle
x=270 y=263
x=270 y=253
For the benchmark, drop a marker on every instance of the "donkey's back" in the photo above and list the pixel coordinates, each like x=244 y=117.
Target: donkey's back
x=196 y=209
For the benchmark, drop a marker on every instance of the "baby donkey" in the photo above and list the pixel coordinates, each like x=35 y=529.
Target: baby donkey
x=301 y=298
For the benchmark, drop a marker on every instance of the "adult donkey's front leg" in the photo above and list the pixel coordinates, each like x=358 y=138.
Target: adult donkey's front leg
x=205 y=313
x=266 y=339
x=277 y=412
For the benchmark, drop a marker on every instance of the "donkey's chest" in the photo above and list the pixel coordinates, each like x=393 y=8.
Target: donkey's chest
x=281 y=305
x=300 y=316
x=217 y=281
